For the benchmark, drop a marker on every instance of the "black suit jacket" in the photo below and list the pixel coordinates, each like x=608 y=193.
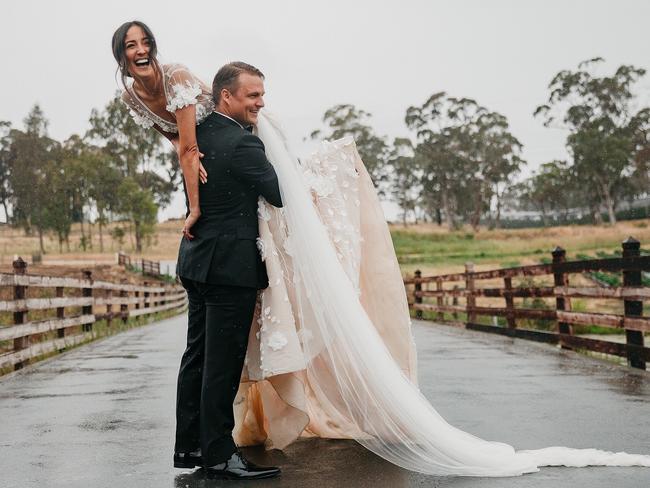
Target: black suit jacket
x=224 y=249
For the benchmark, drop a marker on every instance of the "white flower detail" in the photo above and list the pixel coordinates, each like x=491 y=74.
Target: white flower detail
x=262 y=210
x=184 y=95
x=261 y=245
x=320 y=184
x=203 y=110
x=141 y=120
x=277 y=341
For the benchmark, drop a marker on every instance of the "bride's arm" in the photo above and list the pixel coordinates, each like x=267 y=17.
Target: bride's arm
x=188 y=155
x=173 y=139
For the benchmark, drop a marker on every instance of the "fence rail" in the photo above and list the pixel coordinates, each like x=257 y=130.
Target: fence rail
x=632 y=292
x=41 y=325
x=148 y=267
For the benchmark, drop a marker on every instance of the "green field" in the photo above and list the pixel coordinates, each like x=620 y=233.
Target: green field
x=434 y=250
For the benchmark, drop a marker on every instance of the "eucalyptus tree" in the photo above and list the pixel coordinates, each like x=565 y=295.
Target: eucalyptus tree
x=466 y=154
x=549 y=190
x=32 y=157
x=139 y=157
x=499 y=161
x=5 y=168
x=134 y=151
x=137 y=204
x=598 y=111
x=404 y=177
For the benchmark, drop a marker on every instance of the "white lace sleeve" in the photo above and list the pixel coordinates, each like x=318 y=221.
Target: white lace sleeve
x=183 y=88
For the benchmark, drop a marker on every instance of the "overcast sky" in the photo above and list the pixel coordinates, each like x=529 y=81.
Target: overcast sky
x=382 y=56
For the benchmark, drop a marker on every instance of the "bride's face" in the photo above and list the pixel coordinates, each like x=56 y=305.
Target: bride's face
x=137 y=47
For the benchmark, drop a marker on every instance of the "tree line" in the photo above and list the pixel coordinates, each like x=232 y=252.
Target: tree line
x=461 y=163
x=116 y=171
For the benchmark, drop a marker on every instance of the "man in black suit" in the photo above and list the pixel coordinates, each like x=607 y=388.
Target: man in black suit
x=220 y=267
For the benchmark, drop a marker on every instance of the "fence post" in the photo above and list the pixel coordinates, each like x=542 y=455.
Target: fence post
x=440 y=300
x=561 y=303
x=20 y=292
x=146 y=296
x=137 y=296
x=510 y=303
x=633 y=308
x=60 y=314
x=124 y=307
x=87 y=292
x=470 y=284
x=109 y=307
x=418 y=287
x=454 y=302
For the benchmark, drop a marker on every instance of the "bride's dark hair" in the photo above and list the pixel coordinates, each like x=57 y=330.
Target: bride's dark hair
x=119 y=52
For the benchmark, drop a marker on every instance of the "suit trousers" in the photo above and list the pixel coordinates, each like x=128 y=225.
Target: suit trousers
x=219 y=320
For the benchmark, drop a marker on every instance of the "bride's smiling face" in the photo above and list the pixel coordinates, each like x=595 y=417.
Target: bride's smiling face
x=137 y=49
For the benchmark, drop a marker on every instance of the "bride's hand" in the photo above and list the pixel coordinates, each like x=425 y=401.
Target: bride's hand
x=189 y=222
x=203 y=174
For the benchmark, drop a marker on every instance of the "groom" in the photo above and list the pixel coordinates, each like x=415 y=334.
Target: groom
x=221 y=269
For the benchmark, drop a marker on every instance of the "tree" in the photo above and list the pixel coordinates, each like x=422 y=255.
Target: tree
x=134 y=151
x=104 y=179
x=135 y=155
x=599 y=114
x=640 y=176
x=5 y=168
x=466 y=155
x=32 y=157
x=500 y=161
x=58 y=208
x=77 y=164
x=347 y=120
x=549 y=190
x=439 y=124
x=138 y=206
x=404 y=177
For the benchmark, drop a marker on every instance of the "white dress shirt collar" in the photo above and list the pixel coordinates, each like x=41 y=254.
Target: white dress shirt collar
x=226 y=116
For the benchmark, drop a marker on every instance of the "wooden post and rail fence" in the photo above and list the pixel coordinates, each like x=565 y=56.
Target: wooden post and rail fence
x=632 y=322
x=63 y=310
x=148 y=267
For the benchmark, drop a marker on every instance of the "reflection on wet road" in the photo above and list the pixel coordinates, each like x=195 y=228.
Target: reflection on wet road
x=103 y=415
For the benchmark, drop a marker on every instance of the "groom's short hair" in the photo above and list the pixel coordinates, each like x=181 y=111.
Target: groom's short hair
x=228 y=77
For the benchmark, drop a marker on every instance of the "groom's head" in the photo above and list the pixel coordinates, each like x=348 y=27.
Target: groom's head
x=238 y=91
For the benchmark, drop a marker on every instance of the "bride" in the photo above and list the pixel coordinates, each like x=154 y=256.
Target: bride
x=330 y=353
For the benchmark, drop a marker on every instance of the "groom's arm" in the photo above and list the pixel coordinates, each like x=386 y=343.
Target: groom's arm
x=251 y=166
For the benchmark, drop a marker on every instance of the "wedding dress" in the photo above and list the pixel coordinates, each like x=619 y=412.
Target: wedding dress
x=331 y=352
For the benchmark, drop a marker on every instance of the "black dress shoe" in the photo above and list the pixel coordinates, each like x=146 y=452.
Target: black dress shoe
x=188 y=459
x=239 y=468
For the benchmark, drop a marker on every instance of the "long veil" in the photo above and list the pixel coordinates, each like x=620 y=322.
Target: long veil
x=371 y=397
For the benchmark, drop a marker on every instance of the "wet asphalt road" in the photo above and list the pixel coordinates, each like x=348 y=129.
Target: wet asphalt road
x=103 y=415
